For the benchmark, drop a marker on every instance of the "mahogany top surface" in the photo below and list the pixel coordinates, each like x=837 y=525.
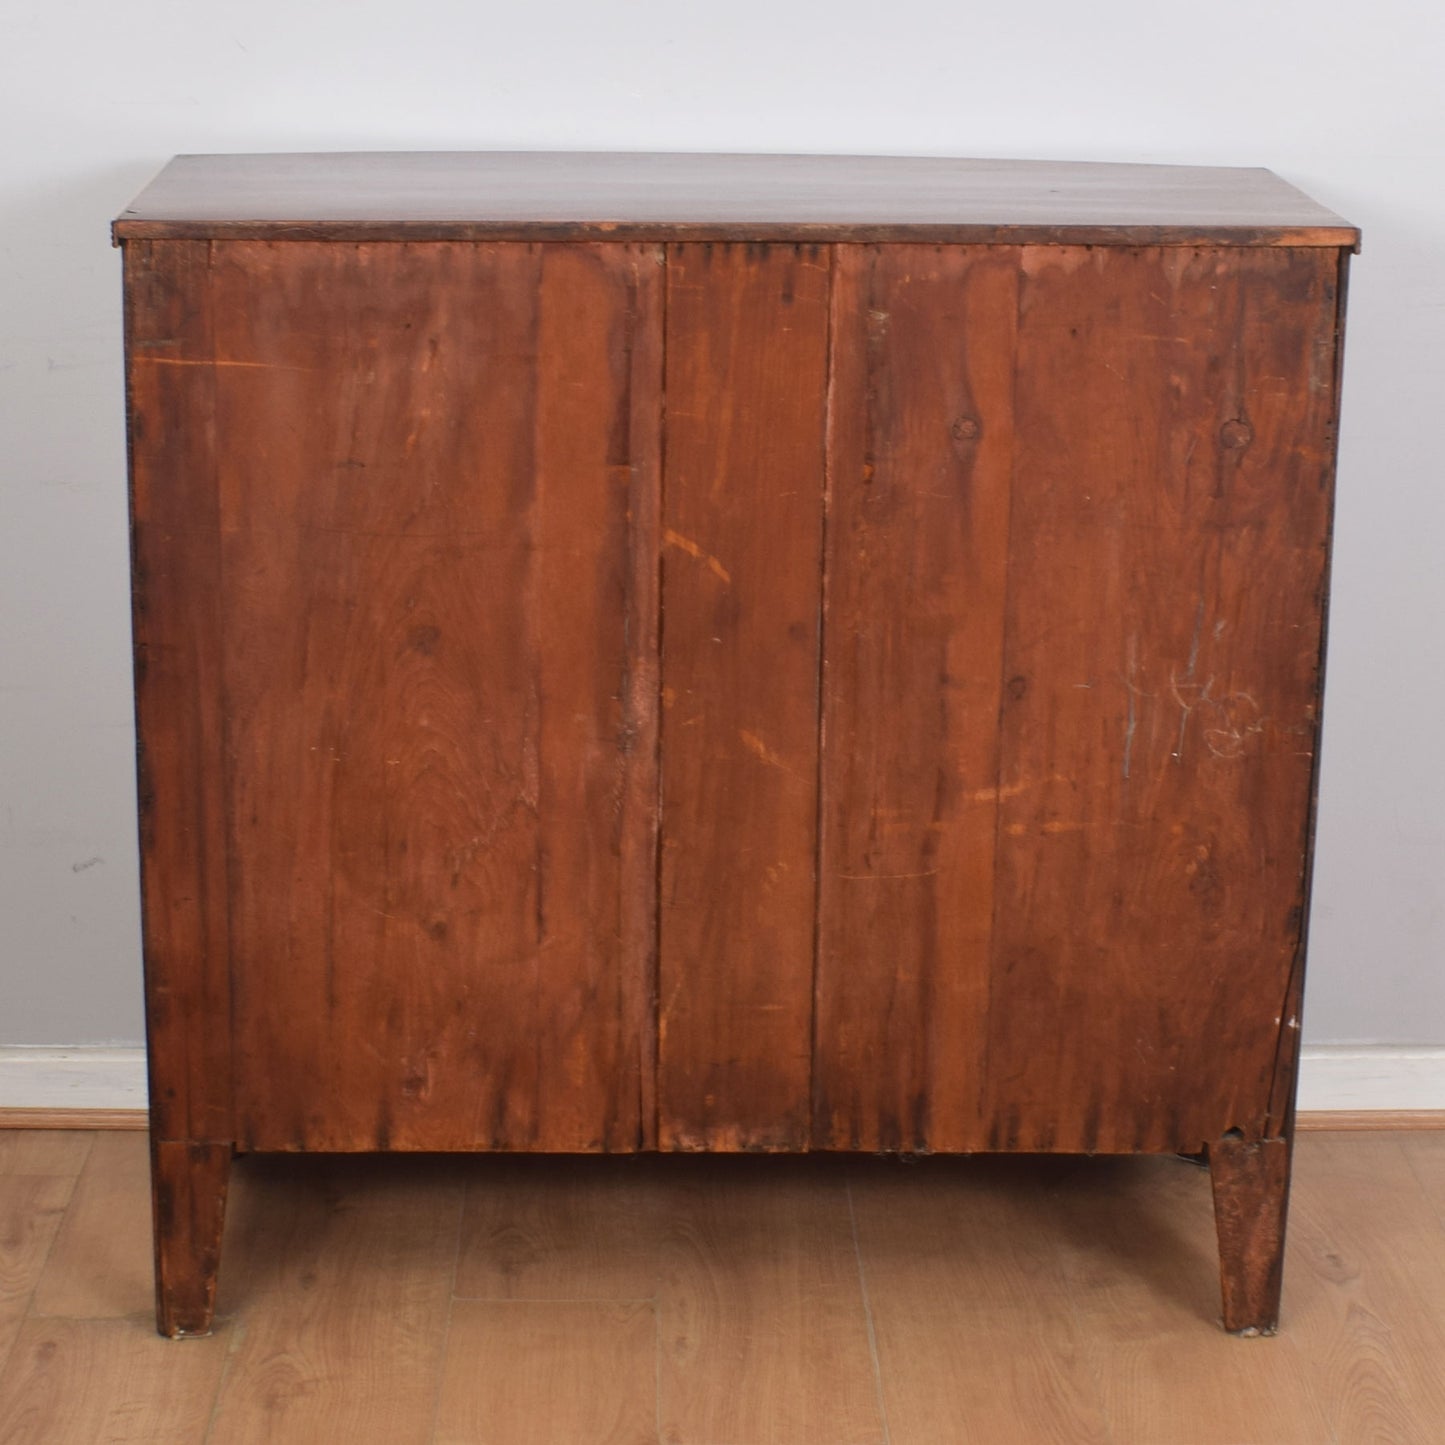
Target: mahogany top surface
x=475 y=195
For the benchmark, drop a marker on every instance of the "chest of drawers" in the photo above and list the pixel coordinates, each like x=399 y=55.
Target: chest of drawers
x=726 y=653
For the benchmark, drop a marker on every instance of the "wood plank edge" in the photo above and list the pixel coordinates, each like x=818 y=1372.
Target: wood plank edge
x=1382 y=1119
x=74 y=1118
x=763 y=232
x=1312 y=1119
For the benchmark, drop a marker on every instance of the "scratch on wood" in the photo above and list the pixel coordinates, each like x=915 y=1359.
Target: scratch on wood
x=1014 y=790
x=1131 y=722
x=886 y=877
x=1194 y=641
x=755 y=745
x=686 y=544
x=217 y=361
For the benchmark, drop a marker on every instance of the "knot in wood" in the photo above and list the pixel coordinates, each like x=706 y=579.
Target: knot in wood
x=1236 y=433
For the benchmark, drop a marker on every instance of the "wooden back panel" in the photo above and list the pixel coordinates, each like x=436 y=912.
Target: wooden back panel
x=438 y=473
x=747 y=368
x=986 y=646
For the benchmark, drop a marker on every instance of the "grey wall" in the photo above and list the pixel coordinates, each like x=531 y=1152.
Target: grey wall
x=95 y=96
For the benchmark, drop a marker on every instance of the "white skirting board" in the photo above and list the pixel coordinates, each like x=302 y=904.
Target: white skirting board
x=1345 y=1077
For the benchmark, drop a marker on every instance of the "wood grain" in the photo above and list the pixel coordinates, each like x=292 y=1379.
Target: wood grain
x=43 y=1151
x=549 y=1371
x=438 y=477
x=176 y=622
x=499 y=195
x=919 y=456
x=342 y=1271
x=1426 y=1155
x=746 y=348
x=73 y=1382
x=1171 y=493
x=1365 y=1281
x=1136 y=1239
x=101 y=1265
x=1010 y=1298
x=32 y=1207
x=1250 y=1180
x=562 y=1228
x=762 y=1335
x=954 y=1251
x=188 y=1194
x=74 y=1119
x=1371 y=1120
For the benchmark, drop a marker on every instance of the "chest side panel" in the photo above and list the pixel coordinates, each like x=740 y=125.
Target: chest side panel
x=176 y=609
x=1167 y=559
x=437 y=463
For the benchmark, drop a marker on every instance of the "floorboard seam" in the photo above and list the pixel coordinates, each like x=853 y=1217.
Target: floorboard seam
x=446 y=1340
x=28 y=1313
x=867 y=1313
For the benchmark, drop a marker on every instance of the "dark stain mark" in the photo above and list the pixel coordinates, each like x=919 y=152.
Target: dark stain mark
x=1018 y=685
x=424 y=638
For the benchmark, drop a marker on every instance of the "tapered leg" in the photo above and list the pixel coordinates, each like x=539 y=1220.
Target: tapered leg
x=188 y=1196
x=1251 y=1197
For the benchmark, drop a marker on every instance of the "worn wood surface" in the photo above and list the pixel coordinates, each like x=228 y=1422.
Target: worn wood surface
x=1169 y=525
x=746 y=346
x=499 y=195
x=176 y=620
x=1251 y=1200
x=726 y=697
x=437 y=471
x=919 y=456
x=188 y=1191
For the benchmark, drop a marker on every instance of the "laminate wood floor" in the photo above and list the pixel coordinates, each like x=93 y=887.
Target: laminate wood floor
x=722 y=1301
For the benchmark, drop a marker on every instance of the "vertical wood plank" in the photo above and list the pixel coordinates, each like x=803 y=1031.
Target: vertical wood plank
x=920 y=450
x=1168 y=535
x=746 y=377
x=176 y=620
x=439 y=484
